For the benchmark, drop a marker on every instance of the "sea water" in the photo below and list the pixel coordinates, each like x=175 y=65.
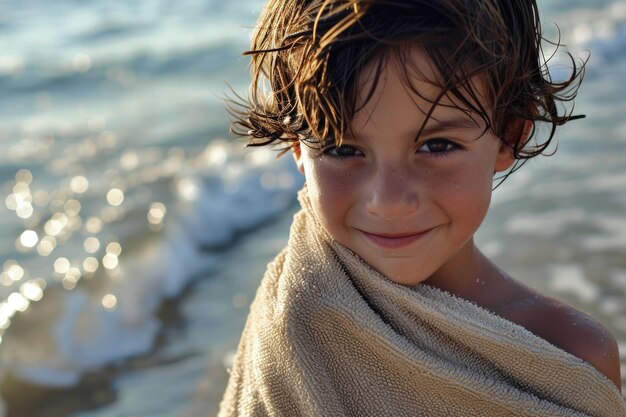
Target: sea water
x=120 y=188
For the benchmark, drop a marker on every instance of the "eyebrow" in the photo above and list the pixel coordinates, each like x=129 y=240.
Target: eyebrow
x=456 y=123
x=453 y=123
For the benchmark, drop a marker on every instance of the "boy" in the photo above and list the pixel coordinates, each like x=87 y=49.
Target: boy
x=399 y=113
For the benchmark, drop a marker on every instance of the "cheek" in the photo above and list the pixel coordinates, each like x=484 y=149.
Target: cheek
x=468 y=192
x=331 y=191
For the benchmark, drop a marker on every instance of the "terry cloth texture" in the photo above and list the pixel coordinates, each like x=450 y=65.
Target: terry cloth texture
x=329 y=336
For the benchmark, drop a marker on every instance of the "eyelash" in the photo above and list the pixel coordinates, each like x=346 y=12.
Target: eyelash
x=331 y=148
x=450 y=148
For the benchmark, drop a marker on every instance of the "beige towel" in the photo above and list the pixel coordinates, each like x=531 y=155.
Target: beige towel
x=329 y=336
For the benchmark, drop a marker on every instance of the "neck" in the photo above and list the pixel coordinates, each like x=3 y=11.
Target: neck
x=465 y=275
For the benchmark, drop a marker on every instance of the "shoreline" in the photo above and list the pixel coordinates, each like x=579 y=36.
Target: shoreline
x=97 y=390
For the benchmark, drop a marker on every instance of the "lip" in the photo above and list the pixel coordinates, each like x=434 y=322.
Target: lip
x=394 y=241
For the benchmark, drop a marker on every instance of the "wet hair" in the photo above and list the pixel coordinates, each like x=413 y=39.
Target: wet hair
x=307 y=56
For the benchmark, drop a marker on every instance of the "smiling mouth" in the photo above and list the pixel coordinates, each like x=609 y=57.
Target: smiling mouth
x=394 y=241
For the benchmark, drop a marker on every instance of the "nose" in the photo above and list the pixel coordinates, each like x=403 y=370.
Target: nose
x=393 y=193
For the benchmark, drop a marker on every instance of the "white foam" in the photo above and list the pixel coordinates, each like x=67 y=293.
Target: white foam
x=549 y=223
x=232 y=194
x=601 y=30
x=619 y=279
x=570 y=279
x=612 y=235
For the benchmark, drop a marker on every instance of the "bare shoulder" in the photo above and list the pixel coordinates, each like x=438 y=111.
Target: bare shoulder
x=571 y=330
x=581 y=335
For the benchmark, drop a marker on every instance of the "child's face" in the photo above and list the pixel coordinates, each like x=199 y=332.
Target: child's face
x=408 y=207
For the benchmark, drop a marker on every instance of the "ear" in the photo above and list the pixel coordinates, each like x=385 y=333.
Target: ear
x=297 y=156
x=519 y=133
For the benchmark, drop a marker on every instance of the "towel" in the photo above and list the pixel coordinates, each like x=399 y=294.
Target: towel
x=327 y=335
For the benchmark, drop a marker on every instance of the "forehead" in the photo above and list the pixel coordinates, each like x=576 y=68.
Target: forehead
x=403 y=86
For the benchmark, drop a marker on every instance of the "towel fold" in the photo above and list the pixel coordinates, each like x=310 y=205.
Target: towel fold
x=329 y=336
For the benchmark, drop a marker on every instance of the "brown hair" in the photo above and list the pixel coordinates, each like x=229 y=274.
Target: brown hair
x=307 y=56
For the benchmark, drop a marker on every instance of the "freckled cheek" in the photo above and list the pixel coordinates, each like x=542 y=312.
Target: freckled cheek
x=332 y=191
x=466 y=193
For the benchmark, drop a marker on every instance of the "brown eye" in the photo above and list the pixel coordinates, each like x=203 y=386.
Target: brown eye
x=342 y=151
x=438 y=146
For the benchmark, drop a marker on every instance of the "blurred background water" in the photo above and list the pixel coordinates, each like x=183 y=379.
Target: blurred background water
x=133 y=232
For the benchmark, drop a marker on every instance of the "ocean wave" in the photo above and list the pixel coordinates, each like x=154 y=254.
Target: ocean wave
x=99 y=316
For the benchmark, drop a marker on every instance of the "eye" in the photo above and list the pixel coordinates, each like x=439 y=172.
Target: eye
x=438 y=147
x=342 y=151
